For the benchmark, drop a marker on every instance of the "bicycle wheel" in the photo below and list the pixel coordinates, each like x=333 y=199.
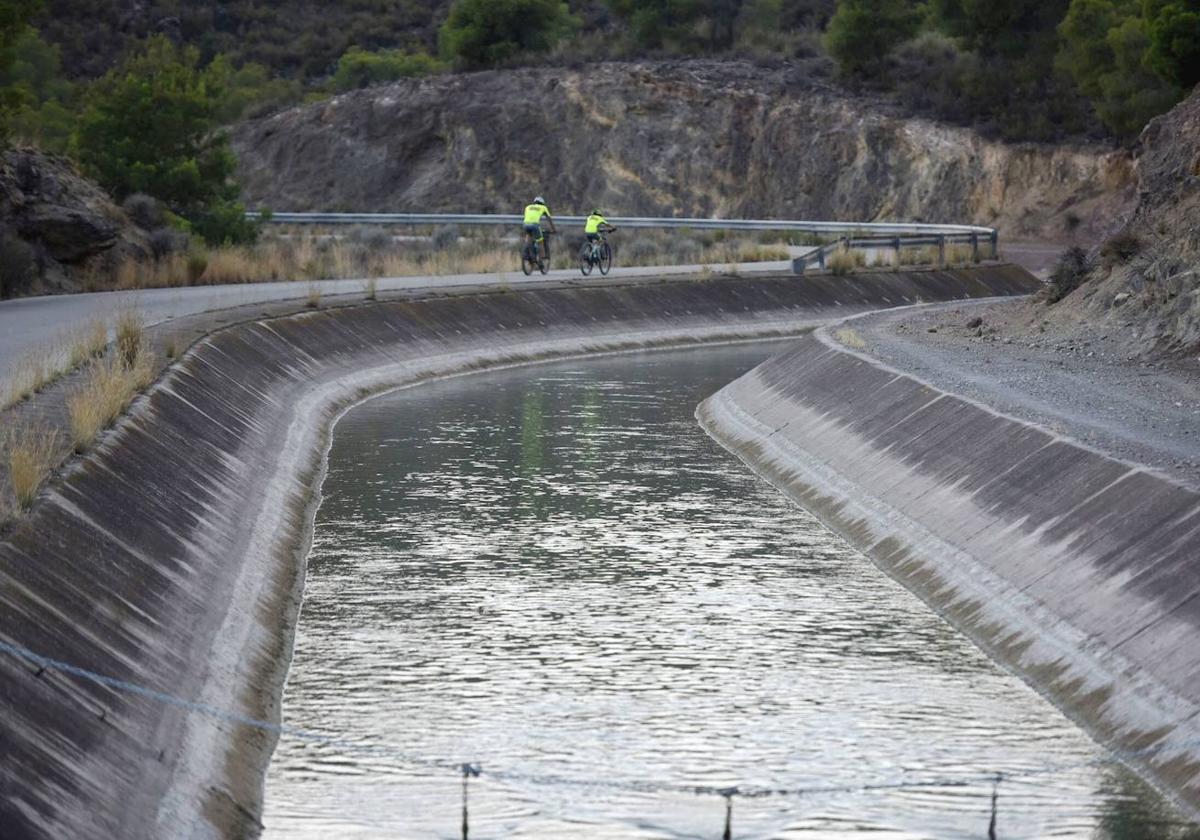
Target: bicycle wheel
x=527 y=261
x=544 y=262
x=585 y=259
x=605 y=258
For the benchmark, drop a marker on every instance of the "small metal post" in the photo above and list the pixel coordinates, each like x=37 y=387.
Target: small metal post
x=728 y=794
x=975 y=247
x=468 y=770
x=942 y=251
x=995 y=796
x=821 y=257
x=995 y=244
x=896 y=245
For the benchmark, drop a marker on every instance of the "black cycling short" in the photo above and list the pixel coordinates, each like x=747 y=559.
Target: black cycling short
x=535 y=231
x=593 y=237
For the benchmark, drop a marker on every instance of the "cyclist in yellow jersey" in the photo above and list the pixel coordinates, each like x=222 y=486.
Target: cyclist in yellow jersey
x=596 y=225
x=534 y=213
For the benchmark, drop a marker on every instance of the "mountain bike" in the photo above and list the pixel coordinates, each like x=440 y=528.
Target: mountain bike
x=592 y=254
x=531 y=256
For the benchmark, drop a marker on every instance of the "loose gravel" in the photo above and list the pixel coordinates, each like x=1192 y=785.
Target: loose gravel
x=1079 y=385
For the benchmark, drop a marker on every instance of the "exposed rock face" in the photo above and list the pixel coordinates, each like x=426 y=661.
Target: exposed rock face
x=1145 y=288
x=54 y=222
x=695 y=138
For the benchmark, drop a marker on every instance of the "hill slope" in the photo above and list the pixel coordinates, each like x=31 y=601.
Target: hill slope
x=700 y=138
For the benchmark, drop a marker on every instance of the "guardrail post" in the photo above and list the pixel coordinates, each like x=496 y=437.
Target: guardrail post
x=799 y=264
x=995 y=244
x=821 y=257
x=896 y=246
x=974 y=247
x=941 y=252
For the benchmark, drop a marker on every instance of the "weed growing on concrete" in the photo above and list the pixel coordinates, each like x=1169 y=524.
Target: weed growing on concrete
x=843 y=262
x=87 y=342
x=313 y=301
x=850 y=338
x=31 y=455
x=108 y=388
x=130 y=336
x=371 y=288
x=29 y=375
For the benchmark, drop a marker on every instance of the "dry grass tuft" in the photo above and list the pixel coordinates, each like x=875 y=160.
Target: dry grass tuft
x=87 y=342
x=31 y=456
x=371 y=288
x=850 y=338
x=313 y=301
x=108 y=388
x=130 y=336
x=32 y=372
x=845 y=262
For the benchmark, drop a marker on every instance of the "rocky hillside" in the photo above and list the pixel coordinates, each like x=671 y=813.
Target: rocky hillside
x=1146 y=280
x=701 y=138
x=55 y=225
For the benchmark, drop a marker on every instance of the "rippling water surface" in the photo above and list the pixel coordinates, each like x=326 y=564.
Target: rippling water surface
x=553 y=572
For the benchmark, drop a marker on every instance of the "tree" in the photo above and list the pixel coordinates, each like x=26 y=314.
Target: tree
x=14 y=19
x=485 y=33
x=149 y=127
x=1174 y=51
x=863 y=33
x=358 y=68
x=1105 y=46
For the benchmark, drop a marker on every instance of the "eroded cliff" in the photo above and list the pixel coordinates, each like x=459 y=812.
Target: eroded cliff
x=696 y=138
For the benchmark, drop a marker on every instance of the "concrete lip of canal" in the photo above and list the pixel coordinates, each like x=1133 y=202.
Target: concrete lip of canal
x=190 y=516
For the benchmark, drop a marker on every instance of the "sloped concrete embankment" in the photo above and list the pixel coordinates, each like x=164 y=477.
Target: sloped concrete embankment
x=171 y=557
x=1076 y=570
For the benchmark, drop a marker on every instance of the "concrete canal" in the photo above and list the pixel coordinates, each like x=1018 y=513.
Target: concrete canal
x=552 y=571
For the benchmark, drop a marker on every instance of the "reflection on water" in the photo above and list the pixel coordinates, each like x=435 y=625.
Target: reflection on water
x=553 y=572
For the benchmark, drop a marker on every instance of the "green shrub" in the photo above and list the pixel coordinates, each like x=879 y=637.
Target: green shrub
x=863 y=33
x=358 y=68
x=486 y=33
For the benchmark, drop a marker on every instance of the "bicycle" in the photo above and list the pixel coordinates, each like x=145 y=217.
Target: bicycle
x=595 y=253
x=531 y=256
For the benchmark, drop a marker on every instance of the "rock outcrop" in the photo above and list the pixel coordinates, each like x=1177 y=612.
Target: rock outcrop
x=699 y=138
x=54 y=224
x=1140 y=290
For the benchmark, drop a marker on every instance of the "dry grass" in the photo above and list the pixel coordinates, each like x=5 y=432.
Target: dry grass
x=374 y=254
x=130 y=341
x=313 y=301
x=32 y=372
x=845 y=261
x=850 y=338
x=107 y=390
x=32 y=453
x=87 y=342
x=371 y=288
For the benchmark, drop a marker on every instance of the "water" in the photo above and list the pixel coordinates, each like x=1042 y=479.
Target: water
x=553 y=572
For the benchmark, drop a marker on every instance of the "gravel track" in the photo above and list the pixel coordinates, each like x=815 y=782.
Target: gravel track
x=1145 y=412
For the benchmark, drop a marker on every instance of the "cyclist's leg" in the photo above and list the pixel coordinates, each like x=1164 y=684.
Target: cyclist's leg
x=541 y=240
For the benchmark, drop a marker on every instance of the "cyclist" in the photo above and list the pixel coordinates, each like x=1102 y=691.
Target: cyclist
x=534 y=213
x=596 y=226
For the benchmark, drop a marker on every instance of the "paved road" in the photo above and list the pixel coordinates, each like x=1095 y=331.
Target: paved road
x=29 y=324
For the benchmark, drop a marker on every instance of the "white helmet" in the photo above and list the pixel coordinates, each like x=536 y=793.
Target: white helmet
x=537 y=199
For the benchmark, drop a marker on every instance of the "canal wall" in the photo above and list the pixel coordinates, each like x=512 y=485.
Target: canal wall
x=1077 y=571
x=170 y=558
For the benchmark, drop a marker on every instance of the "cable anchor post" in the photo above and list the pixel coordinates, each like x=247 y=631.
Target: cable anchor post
x=468 y=771
x=728 y=793
x=995 y=796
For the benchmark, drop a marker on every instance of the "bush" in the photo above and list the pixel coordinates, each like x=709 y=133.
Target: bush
x=165 y=241
x=445 y=236
x=358 y=68
x=1069 y=274
x=485 y=33
x=863 y=33
x=1120 y=248
x=144 y=211
x=225 y=223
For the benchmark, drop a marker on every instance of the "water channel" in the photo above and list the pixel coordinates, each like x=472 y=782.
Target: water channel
x=553 y=572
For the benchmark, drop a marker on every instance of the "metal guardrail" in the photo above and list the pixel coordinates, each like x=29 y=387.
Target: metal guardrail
x=851 y=234
x=798 y=226
x=819 y=256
